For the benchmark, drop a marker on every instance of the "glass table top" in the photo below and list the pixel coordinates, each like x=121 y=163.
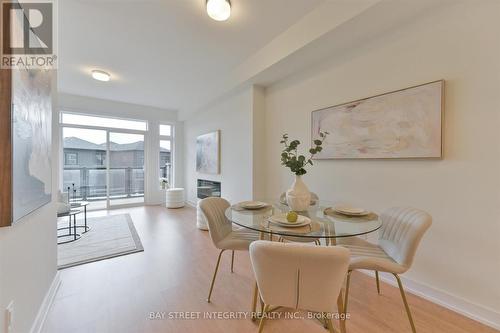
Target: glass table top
x=72 y=211
x=325 y=223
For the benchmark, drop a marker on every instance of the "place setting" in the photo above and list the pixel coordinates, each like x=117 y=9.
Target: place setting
x=350 y=213
x=289 y=220
x=250 y=205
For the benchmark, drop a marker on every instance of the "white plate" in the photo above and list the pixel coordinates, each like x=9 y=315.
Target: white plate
x=348 y=210
x=252 y=204
x=353 y=212
x=282 y=221
x=366 y=213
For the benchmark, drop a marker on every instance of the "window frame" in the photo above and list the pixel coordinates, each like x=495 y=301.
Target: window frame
x=118 y=129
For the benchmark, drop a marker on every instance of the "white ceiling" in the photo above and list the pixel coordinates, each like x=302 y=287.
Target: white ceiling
x=162 y=53
x=170 y=54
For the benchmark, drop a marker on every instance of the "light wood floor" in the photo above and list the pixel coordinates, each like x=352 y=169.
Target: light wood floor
x=173 y=275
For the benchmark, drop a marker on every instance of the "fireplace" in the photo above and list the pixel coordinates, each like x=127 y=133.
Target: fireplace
x=208 y=188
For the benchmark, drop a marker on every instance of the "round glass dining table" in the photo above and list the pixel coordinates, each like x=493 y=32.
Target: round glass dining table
x=325 y=224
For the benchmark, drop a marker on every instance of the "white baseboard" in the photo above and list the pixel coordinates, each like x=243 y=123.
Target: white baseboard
x=191 y=204
x=473 y=311
x=46 y=304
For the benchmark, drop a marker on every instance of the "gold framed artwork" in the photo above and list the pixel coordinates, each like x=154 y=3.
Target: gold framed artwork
x=406 y=123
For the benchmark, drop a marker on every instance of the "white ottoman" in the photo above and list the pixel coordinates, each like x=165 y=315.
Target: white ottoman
x=201 y=221
x=174 y=198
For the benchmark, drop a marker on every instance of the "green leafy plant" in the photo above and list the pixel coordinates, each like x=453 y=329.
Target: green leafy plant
x=291 y=158
x=164 y=183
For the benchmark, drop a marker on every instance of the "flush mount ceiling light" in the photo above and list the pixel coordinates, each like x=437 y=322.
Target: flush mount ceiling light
x=219 y=10
x=101 y=75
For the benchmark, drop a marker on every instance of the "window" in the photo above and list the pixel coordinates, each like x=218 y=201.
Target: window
x=140 y=159
x=166 y=153
x=79 y=119
x=165 y=130
x=104 y=163
x=100 y=158
x=166 y=160
x=70 y=158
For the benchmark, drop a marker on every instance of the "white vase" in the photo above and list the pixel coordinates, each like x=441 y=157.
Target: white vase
x=298 y=196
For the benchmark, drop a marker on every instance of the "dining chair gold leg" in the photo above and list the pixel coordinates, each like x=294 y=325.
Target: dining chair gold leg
x=232 y=262
x=215 y=275
x=329 y=325
x=254 y=301
x=348 y=282
x=403 y=296
x=340 y=308
x=378 y=282
x=263 y=318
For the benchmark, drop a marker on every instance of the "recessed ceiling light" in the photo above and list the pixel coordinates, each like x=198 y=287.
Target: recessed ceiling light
x=219 y=10
x=101 y=75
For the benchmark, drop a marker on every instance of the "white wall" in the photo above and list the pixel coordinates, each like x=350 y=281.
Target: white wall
x=28 y=259
x=460 y=255
x=233 y=117
x=154 y=116
x=259 y=158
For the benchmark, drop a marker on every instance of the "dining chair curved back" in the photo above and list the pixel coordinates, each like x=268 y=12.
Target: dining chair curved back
x=218 y=225
x=299 y=276
x=401 y=232
x=399 y=236
x=222 y=234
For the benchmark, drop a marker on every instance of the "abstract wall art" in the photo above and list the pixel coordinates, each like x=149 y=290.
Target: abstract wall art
x=402 y=124
x=25 y=142
x=208 y=153
x=31 y=140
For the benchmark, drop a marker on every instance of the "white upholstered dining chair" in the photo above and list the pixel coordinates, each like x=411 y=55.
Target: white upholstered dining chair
x=222 y=233
x=300 y=276
x=400 y=234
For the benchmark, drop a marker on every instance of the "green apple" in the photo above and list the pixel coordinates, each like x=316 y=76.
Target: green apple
x=292 y=217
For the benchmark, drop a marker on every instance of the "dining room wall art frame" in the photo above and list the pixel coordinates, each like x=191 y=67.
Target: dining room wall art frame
x=405 y=123
x=26 y=142
x=208 y=153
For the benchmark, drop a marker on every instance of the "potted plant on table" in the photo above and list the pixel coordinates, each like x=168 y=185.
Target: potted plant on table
x=298 y=196
x=164 y=183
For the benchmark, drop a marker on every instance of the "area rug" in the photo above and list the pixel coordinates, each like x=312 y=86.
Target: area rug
x=109 y=236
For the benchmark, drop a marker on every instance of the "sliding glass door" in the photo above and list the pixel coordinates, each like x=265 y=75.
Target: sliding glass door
x=84 y=165
x=126 y=168
x=104 y=167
